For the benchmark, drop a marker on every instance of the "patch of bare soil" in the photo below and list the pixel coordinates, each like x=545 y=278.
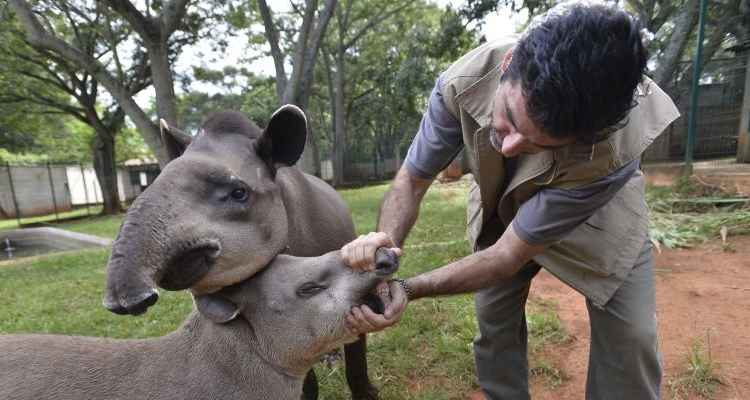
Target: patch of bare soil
x=701 y=292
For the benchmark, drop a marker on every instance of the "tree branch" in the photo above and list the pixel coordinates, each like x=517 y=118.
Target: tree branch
x=684 y=24
x=314 y=44
x=372 y=22
x=299 y=59
x=145 y=26
x=172 y=15
x=39 y=38
x=272 y=35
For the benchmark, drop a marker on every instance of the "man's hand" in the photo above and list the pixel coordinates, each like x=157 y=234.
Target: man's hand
x=361 y=319
x=360 y=253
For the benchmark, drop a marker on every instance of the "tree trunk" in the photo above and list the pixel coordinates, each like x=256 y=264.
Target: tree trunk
x=339 y=136
x=106 y=171
x=296 y=88
x=684 y=24
x=161 y=73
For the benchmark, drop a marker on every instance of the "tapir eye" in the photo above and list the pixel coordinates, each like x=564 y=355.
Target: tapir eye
x=310 y=289
x=239 y=194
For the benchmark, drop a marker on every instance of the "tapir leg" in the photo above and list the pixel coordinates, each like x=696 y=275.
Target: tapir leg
x=356 y=370
x=310 y=387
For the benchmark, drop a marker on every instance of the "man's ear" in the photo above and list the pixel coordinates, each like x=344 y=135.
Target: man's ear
x=283 y=140
x=216 y=308
x=175 y=140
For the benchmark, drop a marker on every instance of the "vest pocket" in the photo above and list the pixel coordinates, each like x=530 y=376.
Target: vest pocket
x=608 y=243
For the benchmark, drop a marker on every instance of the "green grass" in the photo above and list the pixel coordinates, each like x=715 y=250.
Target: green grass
x=691 y=212
x=62 y=294
x=51 y=218
x=701 y=375
x=104 y=226
x=427 y=356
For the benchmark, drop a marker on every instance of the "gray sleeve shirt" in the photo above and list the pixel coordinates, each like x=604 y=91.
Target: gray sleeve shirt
x=543 y=219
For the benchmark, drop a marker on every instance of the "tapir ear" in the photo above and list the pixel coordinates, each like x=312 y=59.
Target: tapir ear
x=216 y=308
x=284 y=138
x=175 y=140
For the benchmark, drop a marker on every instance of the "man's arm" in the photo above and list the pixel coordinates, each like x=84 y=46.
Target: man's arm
x=476 y=271
x=398 y=213
x=400 y=206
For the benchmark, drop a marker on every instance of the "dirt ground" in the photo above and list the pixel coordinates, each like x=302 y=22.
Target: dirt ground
x=700 y=292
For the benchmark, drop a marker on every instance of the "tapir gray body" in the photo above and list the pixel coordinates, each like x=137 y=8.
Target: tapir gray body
x=221 y=210
x=282 y=320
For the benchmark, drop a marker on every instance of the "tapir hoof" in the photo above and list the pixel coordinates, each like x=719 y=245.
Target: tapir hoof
x=134 y=306
x=371 y=393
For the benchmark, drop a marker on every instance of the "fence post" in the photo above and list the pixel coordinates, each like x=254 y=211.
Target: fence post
x=13 y=194
x=694 y=93
x=743 y=138
x=52 y=188
x=85 y=188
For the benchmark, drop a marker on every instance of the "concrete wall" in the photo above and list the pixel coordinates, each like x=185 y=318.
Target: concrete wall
x=73 y=186
x=85 y=189
x=366 y=171
x=34 y=193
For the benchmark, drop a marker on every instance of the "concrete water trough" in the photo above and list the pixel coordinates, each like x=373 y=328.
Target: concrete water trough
x=28 y=242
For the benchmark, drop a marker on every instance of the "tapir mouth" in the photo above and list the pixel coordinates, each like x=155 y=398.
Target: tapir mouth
x=373 y=301
x=191 y=263
x=386 y=264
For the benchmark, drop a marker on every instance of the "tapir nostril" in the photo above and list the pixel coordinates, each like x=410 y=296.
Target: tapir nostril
x=386 y=261
x=190 y=265
x=142 y=303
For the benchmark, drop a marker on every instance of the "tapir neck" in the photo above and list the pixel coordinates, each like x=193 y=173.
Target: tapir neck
x=319 y=224
x=232 y=352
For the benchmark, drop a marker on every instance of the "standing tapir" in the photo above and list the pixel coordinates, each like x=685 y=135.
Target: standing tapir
x=228 y=203
x=252 y=341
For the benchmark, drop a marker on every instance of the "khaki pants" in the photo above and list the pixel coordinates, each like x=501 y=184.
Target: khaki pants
x=624 y=361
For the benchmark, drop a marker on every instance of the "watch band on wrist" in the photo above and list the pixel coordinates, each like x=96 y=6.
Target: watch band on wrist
x=406 y=287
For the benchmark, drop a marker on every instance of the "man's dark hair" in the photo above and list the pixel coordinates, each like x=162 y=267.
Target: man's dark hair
x=579 y=70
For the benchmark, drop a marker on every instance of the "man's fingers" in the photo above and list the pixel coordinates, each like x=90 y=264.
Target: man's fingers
x=384 y=293
x=375 y=320
x=398 y=301
x=362 y=323
x=360 y=253
x=369 y=255
x=384 y=240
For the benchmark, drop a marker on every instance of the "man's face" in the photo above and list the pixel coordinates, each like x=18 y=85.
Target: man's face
x=512 y=132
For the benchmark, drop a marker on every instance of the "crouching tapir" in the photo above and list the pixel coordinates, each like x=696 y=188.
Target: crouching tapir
x=227 y=203
x=255 y=340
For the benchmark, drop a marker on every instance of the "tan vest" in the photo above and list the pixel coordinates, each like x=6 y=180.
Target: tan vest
x=597 y=256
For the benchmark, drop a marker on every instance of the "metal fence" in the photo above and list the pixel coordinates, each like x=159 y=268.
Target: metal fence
x=63 y=190
x=718 y=115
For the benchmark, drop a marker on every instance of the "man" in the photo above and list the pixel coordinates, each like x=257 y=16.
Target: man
x=554 y=125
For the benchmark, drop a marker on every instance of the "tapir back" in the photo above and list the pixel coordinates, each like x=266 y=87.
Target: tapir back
x=319 y=220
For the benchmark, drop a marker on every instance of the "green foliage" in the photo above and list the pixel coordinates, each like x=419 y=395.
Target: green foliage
x=690 y=212
x=129 y=144
x=70 y=142
x=22 y=158
x=24 y=123
x=256 y=98
x=391 y=73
